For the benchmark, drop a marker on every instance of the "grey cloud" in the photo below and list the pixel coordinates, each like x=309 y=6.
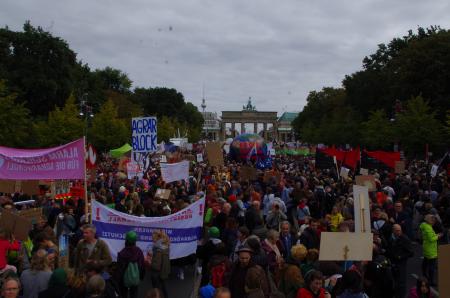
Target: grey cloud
x=274 y=51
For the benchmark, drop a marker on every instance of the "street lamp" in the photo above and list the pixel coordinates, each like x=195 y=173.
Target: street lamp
x=86 y=111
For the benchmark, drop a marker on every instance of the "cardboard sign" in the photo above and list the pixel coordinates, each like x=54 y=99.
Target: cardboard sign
x=7 y=221
x=368 y=181
x=444 y=270
x=199 y=157
x=214 y=152
x=163 y=194
x=33 y=214
x=399 y=167
x=7 y=186
x=364 y=172
x=29 y=187
x=13 y=223
x=248 y=173
x=22 y=227
x=361 y=207
x=344 y=172
x=345 y=246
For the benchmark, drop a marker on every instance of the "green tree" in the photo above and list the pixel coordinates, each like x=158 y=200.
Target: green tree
x=377 y=131
x=14 y=120
x=108 y=131
x=114 y=79
x=62 y=126
x=418 y=126
x=166 y=128
x=38 y=67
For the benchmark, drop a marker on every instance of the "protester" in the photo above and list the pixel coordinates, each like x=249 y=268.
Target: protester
x=429 y=238
x=399 y=251
x=313 y=286
x=421 y=290
x=160 y=264
x=35 y=279
x=131 y=269
x=11 y=288
x=5 y=246
x=91 y=249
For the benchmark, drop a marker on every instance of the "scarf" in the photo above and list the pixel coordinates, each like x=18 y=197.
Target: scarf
x=274 y=248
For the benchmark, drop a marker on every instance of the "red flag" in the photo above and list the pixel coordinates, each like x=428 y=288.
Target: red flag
x=388 y=158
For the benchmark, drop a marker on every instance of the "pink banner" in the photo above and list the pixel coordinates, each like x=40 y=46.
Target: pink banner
x=63 y=162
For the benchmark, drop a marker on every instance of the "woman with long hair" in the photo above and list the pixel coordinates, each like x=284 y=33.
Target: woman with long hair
x=160 y=261
x=35 y=279
x=421 y=290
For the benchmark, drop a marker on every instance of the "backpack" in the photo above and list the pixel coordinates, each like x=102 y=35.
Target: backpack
x=131 y=277
x=218 y=275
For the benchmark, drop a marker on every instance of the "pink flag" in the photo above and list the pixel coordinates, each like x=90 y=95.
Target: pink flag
x=62 y=162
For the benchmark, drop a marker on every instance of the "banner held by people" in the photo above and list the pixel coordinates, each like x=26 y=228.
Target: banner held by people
x=62 y=162
x=183 y=228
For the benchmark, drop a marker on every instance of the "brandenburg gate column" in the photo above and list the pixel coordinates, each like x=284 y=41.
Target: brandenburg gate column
x=265 y=130
x=233 y=132
x=255 y=125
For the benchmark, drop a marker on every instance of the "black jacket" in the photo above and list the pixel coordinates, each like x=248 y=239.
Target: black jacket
x=400 y=249
x=310 y=239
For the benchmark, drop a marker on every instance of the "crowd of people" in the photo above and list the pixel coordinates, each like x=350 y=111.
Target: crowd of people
x=261 y=234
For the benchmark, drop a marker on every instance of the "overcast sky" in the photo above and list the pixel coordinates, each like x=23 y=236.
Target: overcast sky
x=274 y=51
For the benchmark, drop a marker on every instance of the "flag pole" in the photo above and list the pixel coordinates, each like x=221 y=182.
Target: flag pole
x=86 y=201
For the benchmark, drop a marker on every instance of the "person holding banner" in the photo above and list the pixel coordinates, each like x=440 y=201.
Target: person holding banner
x=160 y=262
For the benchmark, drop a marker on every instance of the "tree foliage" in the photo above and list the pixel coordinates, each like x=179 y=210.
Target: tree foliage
x=45 y=83
x=108 y=131
x=14 y=120
x=62 y=126
x=415 y=66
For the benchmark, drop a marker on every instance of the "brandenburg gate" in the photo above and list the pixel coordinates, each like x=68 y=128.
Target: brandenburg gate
x=249 y=120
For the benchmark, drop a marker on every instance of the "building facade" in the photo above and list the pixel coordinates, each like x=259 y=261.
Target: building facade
x=285 y=129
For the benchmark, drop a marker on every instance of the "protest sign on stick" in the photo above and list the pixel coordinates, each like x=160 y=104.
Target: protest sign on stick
x=361 y=209
x=368 y=181
x=345 y=246
x=214 y=152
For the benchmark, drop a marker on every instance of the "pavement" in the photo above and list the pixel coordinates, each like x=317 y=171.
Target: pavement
x=176 y=288
x=188 y=287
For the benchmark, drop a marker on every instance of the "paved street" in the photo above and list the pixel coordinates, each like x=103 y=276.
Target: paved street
x=176 y=288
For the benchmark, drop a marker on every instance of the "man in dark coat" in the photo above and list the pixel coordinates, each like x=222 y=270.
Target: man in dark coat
x=310 y=236
x=399 y=251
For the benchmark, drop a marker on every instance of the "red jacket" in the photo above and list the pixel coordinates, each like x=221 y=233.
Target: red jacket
x=5 y=245
x=305 y=293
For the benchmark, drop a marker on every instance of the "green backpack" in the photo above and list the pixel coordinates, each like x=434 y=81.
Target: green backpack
x=131 y=278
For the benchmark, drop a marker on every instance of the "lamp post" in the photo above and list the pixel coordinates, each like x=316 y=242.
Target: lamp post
x=86 y=112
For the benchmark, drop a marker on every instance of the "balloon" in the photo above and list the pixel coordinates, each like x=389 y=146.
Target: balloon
x=248 y=146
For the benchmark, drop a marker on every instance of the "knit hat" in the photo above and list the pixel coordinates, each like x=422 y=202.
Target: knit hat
x=58 y=278
x=214 y=232
x=207 y=291
x=131 y=237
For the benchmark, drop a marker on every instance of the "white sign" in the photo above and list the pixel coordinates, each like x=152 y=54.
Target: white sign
x=183 y=228
x=163 y=158
x=363 y=171
x=199 y=157
x=133 y=170
x=171 y=172
x=144 y=134
x=361 y=209
x=344 y=172
x=434 y=170
x=272 y=152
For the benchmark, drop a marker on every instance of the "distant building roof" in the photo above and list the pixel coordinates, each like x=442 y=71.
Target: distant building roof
x=288 y=116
